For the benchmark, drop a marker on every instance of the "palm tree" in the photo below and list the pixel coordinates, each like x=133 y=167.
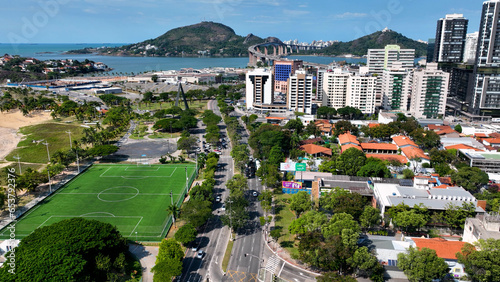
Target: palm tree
x=174 y=211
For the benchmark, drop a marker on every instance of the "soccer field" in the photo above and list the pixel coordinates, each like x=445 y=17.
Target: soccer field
x=132 y=198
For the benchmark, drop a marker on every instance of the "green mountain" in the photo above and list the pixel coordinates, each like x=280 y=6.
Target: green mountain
x=205 y=38
x=377 y=40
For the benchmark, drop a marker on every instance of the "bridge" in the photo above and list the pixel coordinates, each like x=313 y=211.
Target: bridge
x=268 y=52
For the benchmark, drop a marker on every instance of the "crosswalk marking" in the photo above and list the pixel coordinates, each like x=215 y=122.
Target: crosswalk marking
x=272 y=264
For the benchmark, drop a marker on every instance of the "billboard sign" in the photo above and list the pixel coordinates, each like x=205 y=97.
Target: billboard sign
x=300 y=167
x=291 y=185
x=287 y=166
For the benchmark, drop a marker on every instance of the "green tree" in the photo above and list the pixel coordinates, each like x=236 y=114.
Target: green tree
x=409 y=220
x=74 y=249
x=408 y=173
x=237 y=185
x=481 y=263
x=470 y=178
x=422 y=265
x=458 y=128
x=197 y=211
x=186 y=234
x=370 y=217
x=342 y=201
x=308 y=222
x=295 y=125
x=374 y=168
x=300 y=203
x=168 y=261
x=455 y=216
x=350 y=162
x=236 y=212
x=186 y=143
x=367 y=264
x=338 y=223
x=266 y=200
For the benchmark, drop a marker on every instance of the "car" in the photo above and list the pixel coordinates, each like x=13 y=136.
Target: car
x=200 y=254
x=255 y=194
x=217 y=199
x=194 y=248
x=223 y=208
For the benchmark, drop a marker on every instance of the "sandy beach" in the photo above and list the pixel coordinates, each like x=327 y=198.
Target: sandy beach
x=10 y=122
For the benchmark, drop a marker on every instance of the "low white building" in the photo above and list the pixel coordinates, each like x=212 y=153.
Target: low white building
x=485 y=227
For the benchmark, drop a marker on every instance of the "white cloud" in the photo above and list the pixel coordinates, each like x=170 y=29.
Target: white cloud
x=295 y=12
x=90 y=11
x=349 y=15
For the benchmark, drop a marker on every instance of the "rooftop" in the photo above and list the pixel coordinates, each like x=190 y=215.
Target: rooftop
x=401 y=141
x=461 y=146
x=379 y=146
x=444 y=249
x=413 y=153
x=389 y=157
x=348 y=146
x=312 y=149
x=347 y=138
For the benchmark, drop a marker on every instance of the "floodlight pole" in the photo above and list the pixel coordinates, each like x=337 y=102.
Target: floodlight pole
x=76 y=150
x=48 y=171
x=18 y=158
x=171 y=198
x=47 y=145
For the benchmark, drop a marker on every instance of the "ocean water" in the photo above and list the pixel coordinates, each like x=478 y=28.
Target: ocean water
x=128 y=65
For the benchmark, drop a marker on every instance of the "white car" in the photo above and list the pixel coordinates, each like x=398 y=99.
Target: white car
x=255 y=194
x=200 y=254
x=217 y=199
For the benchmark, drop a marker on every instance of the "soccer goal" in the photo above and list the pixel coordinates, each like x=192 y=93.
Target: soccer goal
x=144 y=160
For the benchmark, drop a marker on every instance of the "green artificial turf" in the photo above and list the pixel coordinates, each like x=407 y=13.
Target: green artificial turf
x=132 y=198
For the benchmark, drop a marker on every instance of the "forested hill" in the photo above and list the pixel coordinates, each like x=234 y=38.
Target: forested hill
x=377 y=40
x=205 y=38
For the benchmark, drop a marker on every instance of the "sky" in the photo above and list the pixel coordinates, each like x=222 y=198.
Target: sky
x=130 y=21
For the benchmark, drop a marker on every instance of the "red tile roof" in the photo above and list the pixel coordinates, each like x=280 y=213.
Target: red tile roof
x=495 y=135
x=447 y=130
x=347 y=138
x=413 y=153
x=312 y=149
x=379 y=146
x=442 y=186
x=345 y=147
x=493 y=141
x=434 y=127
x=401 y=140
x=444 y=249
x=372 y=125
x=461 y=146
x=481 y=135
x=389 y=157
x=445 y=180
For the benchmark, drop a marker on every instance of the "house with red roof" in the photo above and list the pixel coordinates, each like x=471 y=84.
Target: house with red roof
x=493 y=142
x=462 y=146
x=444 y=249
x=403 y=141
x=348 y=138
x=316 y=151
x=325 y=127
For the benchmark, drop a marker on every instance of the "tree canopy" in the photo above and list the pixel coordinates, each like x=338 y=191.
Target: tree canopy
x=422 y=265
x=74 y=249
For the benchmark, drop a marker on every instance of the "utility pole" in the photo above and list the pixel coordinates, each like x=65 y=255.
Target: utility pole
x=47 y=144
x=230 y=221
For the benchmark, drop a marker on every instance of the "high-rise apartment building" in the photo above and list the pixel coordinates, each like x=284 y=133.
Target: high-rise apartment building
x=259 y=88
x=335 y=88
x=361 y=93
x=486 y=95
x=380 y=59
x=320 y=76
x=429 y=92
x=282 y=71
x=450 y=39
x=300 y=92
x=396 y=87
x=470 y=47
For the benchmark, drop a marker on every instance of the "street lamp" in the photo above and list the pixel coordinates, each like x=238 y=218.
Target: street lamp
x=18 y=158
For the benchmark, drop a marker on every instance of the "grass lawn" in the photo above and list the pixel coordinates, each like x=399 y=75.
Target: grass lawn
x=53 y=133
x=161 y=135
x=133 y=198
x=195 y=104
x=227 y=255
x=283 y=219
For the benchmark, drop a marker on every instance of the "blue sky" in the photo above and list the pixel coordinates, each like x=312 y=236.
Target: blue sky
x=120 y=21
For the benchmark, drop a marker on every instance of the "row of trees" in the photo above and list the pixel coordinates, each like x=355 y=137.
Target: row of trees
x=353 y=162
